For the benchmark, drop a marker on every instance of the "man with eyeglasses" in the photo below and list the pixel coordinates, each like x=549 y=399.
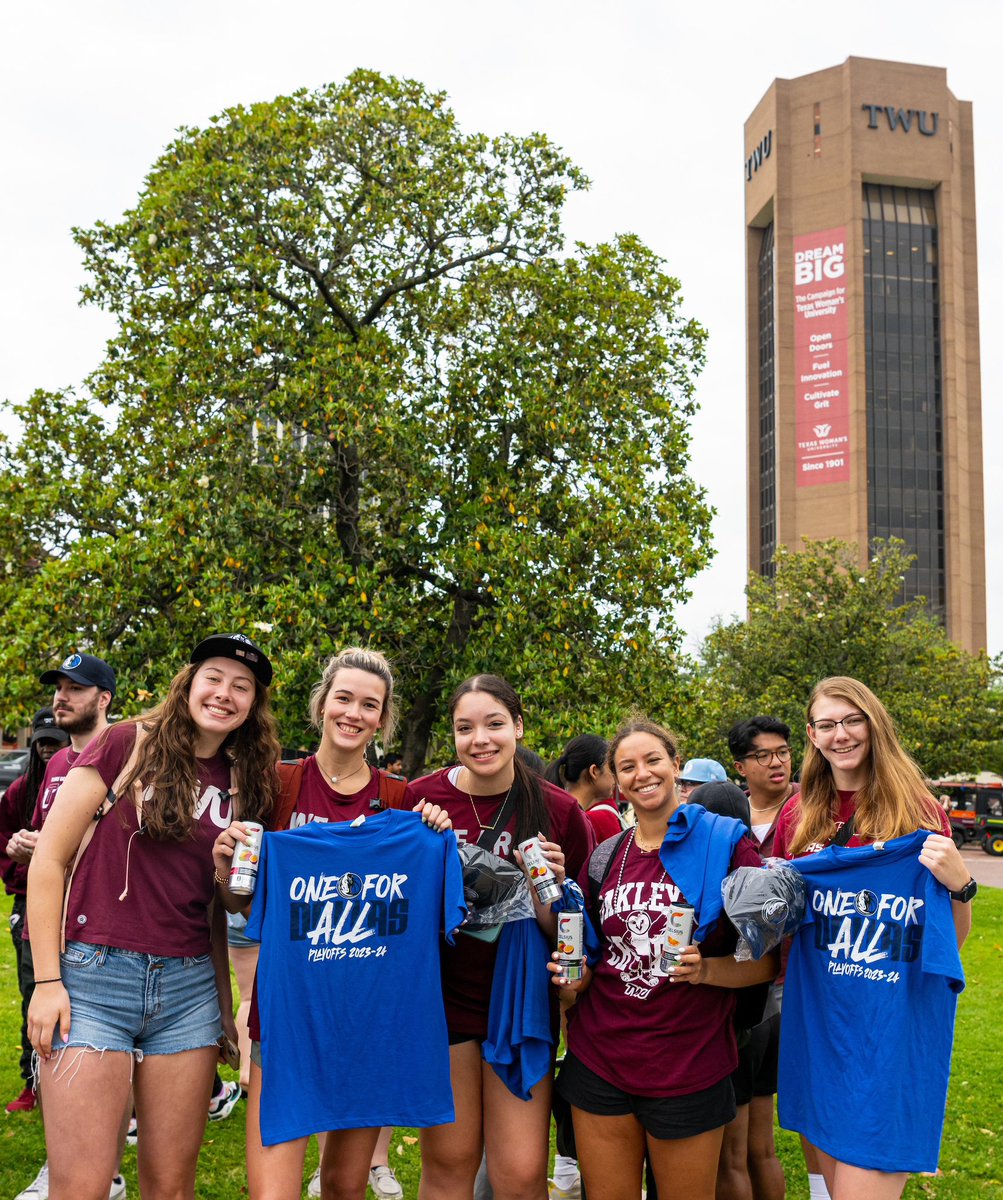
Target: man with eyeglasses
x=762 y=753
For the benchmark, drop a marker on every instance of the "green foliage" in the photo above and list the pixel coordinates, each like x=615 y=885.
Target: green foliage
x=359 y=392
x=821 y=615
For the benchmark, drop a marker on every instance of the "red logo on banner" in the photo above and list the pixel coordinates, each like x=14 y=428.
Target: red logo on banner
x=821 y=358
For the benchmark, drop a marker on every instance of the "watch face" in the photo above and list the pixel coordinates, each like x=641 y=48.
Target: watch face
x=966 y=893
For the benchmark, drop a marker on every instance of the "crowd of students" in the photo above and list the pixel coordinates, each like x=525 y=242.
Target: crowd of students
x=126 y=855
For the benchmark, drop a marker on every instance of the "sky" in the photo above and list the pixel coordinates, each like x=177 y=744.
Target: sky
x=649 y=99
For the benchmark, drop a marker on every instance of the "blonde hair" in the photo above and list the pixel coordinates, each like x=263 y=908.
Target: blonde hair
x=893 y=801
x=359 y=659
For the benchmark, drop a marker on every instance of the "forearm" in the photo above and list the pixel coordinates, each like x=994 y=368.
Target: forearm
x=962 y=920
x=220 y=956
x=728 y=972
x=45 y=914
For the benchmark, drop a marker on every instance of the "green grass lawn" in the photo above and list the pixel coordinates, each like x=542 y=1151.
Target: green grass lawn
x=971 y=1160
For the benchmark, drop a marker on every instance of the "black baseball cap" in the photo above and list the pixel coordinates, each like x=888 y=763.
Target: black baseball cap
x=45 y=729
x=85 y=669
x=237 y=646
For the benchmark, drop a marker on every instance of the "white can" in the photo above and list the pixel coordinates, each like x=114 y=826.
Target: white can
x=678 y=932
x=570 y=936
x=540 y=874
x=244 y=868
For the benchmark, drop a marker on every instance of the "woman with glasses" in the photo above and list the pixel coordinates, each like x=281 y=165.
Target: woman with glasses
x=874 y=971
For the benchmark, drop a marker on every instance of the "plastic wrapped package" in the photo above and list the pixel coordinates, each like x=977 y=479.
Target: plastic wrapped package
x=496 y=891
x=765 y=904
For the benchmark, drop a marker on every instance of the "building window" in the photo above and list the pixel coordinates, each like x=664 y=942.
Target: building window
x=905 y=467
x=767 y=408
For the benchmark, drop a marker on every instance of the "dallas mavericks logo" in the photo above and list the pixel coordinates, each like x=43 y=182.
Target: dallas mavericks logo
x=72 y=662
x=775 y=911
x=866 y=903
x=349 y=886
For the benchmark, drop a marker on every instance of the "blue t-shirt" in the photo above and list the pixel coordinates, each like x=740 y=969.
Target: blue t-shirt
x=868 y=1008
x=352 y=1021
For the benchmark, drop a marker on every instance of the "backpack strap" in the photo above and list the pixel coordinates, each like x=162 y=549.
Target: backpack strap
x=393 y=789
x=600 y=865
x=290 y=782
x=845 y=832
x=105 y=807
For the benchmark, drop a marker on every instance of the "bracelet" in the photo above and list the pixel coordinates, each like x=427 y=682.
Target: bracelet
x=222 y=880
x=56 y=979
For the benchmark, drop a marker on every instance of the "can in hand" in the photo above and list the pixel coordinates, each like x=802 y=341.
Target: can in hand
x=678 y=932
x=244 y=868
x=570 y=934
x=540 y=874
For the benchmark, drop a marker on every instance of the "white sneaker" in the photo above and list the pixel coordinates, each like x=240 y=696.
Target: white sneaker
x=384 y=1184
x=117 y=1189
x=38 y=1189
x=313 y=1187
x=221 y=1105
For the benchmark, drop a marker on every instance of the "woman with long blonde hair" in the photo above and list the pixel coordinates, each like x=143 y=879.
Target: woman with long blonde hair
x=874 y=918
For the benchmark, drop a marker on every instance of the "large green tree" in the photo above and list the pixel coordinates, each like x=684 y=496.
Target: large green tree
x=360 y=391
x=822 y=615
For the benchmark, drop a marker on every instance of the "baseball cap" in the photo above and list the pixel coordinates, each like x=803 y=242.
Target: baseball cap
x=703 y=770
x=237 y=646
x=45 y=729
x=85 y=669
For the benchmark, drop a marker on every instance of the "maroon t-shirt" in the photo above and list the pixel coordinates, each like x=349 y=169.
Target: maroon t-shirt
x=12 y=820
x=468 y=966
x=604 y=819
x=136 y=893
x=634 y=1028
x=56 y=770
x=788 y=819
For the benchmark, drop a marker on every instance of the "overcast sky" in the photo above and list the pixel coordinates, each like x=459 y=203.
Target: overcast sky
x=649 y=99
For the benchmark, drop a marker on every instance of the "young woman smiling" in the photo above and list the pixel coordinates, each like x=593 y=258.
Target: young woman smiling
x=492 y=798
x=133 y=999
x=649 y=1060
x=855 y=770
x=351 y=703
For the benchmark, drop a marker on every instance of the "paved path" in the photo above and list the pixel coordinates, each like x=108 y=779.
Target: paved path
x=986 y=869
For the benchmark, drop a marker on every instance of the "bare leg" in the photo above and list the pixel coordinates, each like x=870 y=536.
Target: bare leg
x=86 y=1092
x=733 y=1182
x=344 y=1168
x=245 y=961
x=172 y=1107
x=686 y=1167
x=610 y=1155
x=381 y=1155
x=858 y=1183
x=451 y=1154
x=273 y=1172
x=765 y=1169
x=516 y=1138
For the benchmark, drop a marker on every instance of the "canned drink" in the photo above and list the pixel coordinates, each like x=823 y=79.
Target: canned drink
x=570 y=935
x=244 y=868
x=540 y=874
x=678 y=932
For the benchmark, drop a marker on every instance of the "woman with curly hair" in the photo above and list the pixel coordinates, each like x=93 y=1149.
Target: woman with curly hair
x=860 y=974
x=127 y=989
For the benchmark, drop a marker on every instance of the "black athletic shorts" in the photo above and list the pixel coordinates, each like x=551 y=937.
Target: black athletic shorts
x=666 y=1117
x=756 y=1073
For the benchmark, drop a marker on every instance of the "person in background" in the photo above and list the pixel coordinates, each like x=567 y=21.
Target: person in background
x=761 y=749
x=16 y=843
x=697 y=771
x=583 y=771
x=393 y=764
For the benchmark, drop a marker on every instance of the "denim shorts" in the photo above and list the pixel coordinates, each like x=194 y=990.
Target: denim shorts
x=130 y=1001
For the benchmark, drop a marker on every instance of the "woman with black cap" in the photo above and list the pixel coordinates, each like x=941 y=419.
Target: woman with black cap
x=17 y=841
x=135 y=996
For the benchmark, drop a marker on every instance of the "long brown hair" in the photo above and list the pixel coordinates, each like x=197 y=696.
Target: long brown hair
x=893 y=801
x=531 y=813
x=167 y=766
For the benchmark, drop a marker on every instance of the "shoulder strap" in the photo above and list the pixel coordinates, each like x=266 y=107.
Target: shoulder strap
x=600 y=865
x=290 y=782
x=844 y=833
x=107 y=804
x=393 y=789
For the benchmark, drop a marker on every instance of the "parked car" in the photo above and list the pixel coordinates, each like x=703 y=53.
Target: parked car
x=12 y=764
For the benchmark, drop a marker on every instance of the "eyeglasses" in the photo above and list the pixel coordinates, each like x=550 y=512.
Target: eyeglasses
x=852 y=724
x=765 y=757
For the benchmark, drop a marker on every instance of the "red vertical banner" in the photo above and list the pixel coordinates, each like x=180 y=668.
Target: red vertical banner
x=821 y=358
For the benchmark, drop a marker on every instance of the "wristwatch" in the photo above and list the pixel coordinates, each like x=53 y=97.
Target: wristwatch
x=967 y=893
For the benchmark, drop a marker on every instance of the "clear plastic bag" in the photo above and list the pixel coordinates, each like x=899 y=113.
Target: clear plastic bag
x=765 y=904
x=496 y=891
